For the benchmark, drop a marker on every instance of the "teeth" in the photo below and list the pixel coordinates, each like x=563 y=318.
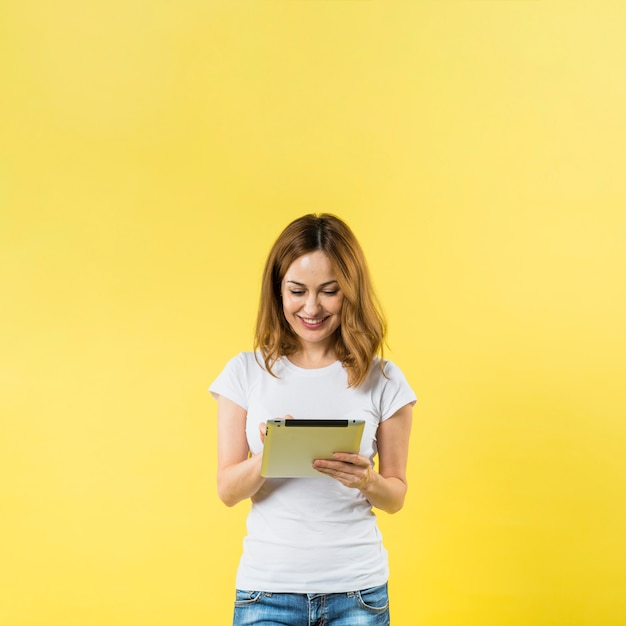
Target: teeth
x=311 y=321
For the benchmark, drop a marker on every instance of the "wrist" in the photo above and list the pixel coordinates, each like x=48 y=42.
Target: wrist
x=370 y=481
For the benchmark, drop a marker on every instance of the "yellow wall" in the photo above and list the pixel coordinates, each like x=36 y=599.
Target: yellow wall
x=151 y=151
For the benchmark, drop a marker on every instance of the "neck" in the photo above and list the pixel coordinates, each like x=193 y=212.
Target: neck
x=313 y=357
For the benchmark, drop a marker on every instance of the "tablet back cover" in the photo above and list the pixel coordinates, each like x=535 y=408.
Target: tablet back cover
x=291 y=446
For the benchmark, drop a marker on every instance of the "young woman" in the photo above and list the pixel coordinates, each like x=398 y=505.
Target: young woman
x=313 y=553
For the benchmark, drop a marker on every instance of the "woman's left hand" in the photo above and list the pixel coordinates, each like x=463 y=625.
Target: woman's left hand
x=351 y=470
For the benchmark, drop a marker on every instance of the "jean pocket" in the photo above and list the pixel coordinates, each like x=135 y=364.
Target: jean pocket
x=244 y=597
x=374 y=599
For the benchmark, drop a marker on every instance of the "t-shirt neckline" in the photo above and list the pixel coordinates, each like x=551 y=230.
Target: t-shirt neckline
x=310 y=372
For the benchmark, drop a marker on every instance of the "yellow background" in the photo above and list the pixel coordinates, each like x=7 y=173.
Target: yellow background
x=151 y=151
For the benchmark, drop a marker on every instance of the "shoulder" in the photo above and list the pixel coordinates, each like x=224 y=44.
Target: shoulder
x=390 y=388
x=244 y=357
x=384 y=370
x=249 y=363
x=240 y=374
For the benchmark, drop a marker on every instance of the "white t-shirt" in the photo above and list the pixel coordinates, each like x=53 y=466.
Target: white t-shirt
x=311 y=535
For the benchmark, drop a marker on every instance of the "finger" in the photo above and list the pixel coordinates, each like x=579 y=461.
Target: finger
x=349 y=474
x=338 y=468
x=353 y=459
x=348 y=479
x=325 y=467
x=334 y=472
x=262 y=429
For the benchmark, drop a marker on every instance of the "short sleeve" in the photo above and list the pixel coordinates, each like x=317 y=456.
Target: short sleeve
x=232 y=381
x=395 y=391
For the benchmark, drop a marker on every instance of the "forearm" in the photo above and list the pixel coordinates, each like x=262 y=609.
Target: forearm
x=383 y=493
x=240 y=481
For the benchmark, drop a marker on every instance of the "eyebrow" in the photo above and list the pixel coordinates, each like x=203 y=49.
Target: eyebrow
x=326 y=284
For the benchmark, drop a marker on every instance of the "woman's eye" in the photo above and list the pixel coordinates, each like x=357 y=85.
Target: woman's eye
x=296 y=293
x=330 y=293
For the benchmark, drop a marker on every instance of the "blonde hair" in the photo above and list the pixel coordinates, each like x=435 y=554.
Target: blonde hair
x=361 y=335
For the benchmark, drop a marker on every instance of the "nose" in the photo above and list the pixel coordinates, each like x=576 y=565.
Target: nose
x=312 y=304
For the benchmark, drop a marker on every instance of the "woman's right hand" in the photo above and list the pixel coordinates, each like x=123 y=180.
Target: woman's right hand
x=263 y=427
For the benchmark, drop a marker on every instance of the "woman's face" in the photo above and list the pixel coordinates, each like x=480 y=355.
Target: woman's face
x=312 y=300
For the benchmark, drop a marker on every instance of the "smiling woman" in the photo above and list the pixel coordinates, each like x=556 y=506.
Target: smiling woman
x=319 y=250
x=319 y=339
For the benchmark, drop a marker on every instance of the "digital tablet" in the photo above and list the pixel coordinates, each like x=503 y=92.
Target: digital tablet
x=291 y=445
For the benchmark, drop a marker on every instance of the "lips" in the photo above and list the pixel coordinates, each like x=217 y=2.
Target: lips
x=310 y=322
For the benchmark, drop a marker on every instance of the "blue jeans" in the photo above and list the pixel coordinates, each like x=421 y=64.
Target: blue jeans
x=369 y=607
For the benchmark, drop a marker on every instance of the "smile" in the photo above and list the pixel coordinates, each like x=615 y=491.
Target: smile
x=313 y=322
